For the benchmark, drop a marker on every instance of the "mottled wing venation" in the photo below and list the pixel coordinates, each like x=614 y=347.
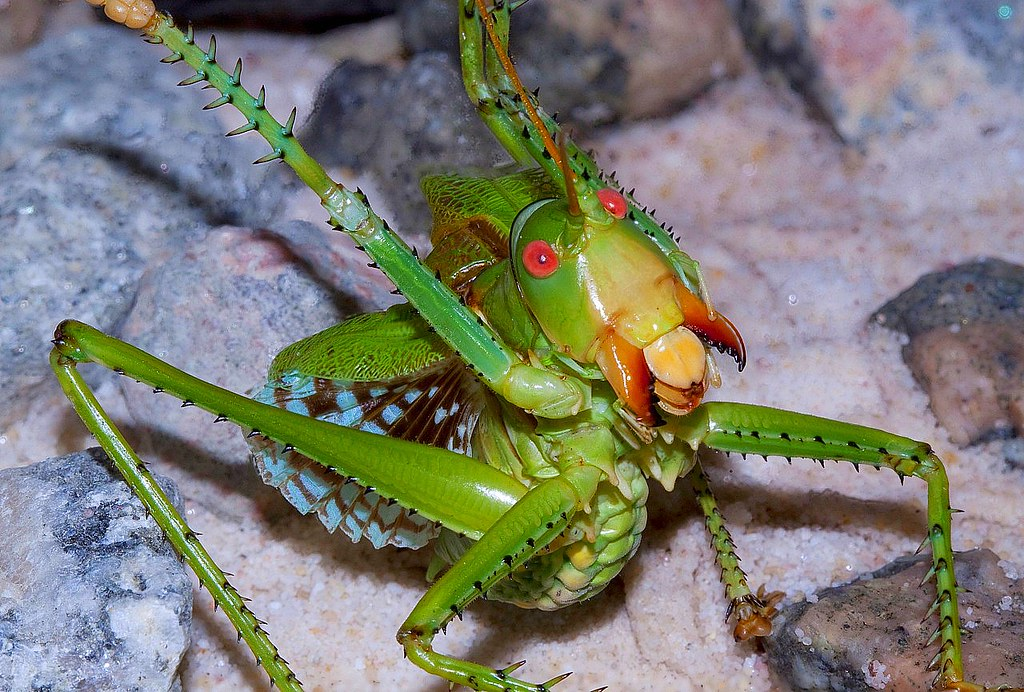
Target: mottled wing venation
x=438 y=405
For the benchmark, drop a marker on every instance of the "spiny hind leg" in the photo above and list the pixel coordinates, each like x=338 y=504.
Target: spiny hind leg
x=754 y=612
x=73 y=344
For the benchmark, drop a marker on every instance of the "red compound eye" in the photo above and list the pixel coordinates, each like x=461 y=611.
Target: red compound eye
x=613 y=201
x=539 y=259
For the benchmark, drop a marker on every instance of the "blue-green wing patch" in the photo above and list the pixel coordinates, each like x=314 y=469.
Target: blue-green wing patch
x=437 y=405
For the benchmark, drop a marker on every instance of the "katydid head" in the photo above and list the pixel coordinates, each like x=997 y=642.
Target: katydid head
x=605 y=293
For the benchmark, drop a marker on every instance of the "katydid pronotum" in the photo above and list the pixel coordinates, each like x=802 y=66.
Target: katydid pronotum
x=561 y=382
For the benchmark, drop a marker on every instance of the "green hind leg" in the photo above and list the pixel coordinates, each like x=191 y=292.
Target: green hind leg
x=749 y=429
x=466 y=496
x=64 y=359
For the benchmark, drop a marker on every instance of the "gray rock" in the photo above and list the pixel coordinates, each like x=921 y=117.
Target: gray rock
x=873 y=631
x=425 y=130
x=92 y=596
x=221 y=311
x=965 y=329
x=92 y=186
x=603 y=59
x=879 y=67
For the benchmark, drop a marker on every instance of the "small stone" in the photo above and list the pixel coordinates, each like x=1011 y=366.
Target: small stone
x=425 y=131
x=92 y=595
x=877 y=66
x=604 y=60
x=874 y=628
x=966 y=346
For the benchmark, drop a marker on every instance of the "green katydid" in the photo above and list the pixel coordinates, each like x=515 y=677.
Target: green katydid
x=515 y=408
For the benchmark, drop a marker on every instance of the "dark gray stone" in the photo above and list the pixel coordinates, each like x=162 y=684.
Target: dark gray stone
x=965 y=330
x=873 y=631
x=92 y=596
x=400 y=126
x=989 y=290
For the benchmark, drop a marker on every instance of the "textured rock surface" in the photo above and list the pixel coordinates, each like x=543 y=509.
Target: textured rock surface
x=965 y=330
x=800 y=239
x=91 y=594
x=873 y=633
x=584 y=51
x=91 y=189
x=879 y=66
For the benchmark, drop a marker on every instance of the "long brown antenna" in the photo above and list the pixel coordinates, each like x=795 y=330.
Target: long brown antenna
x=510 y=70
x=570 y=178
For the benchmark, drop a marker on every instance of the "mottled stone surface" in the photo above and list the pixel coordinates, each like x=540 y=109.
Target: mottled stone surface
x=965 y=331
x=800 y=240
x=426 y=131
x=874 y=67
x=91 y=189
x=91 y=594
x=582 y=52
x=873 y=632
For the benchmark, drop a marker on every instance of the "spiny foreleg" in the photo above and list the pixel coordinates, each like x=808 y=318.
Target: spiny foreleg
x=753 y=612
x=761 y=430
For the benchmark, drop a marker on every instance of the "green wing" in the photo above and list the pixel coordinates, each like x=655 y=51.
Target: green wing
x=375 y=346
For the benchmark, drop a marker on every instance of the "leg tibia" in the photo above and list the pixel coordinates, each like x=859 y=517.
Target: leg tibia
x=766 y=431
x=169 y=520
x=537 y=519
x=753 y=612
